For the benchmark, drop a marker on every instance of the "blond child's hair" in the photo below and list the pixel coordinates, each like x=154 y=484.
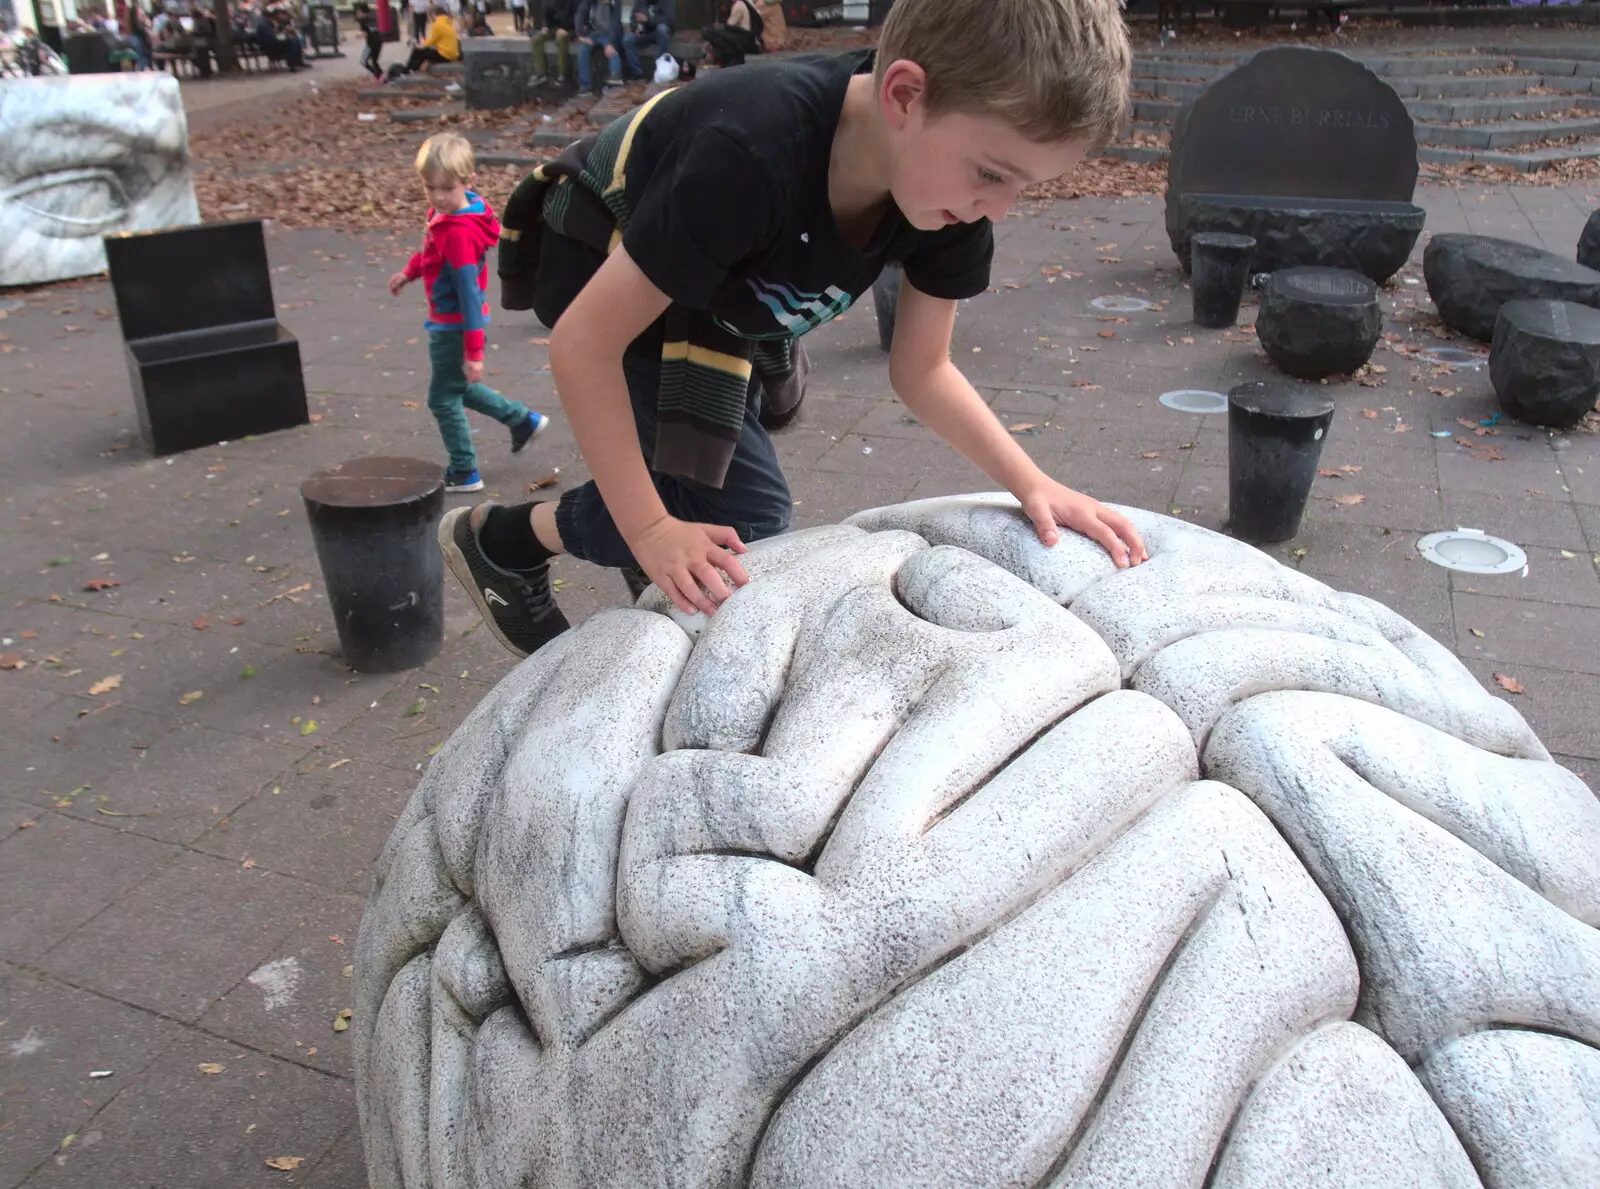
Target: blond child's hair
x=1052 y=70
x=447 y=153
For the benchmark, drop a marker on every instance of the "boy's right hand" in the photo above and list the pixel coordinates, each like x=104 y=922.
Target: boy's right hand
x=681 y=556
x=398 y=282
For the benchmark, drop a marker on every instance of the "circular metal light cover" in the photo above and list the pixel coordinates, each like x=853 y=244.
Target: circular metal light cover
x=1472 y=552
x=7 y=304
x=1121 y=305
x=1451 y=357
x=1195 y=400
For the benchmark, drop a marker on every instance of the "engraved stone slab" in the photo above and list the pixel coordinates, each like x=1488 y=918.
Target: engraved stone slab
x=85 y=157
x=1303 y=124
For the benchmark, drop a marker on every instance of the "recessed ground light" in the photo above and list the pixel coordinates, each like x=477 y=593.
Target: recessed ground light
x=1121 y=305
x=1472 y=552
x=1195 y=400
x=1451 y=357
x=7 y=304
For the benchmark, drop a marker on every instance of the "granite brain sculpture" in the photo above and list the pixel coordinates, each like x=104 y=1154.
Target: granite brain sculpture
x=942 y=859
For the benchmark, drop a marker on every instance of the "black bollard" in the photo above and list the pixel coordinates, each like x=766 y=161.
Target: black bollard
x=886 y=300
x=1275 y=435
x=1219 y=265
x=373 y=521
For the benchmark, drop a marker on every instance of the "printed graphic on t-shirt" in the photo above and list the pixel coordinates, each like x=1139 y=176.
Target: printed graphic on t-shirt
x=794 y=310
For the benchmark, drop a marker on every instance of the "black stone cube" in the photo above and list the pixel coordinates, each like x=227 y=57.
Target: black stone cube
x=1317 y=322
x=497 y=71
x=207 y=358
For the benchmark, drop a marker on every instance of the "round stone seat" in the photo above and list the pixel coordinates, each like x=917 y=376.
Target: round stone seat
x=1545 y=361
x=1317 y=322
x=1589 y=243
x=1471 y=276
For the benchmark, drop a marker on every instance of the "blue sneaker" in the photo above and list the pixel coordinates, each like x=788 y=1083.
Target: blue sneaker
x=462 y=481
x=526 y=430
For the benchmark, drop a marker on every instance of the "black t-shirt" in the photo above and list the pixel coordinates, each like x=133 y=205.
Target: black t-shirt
x=728 y=182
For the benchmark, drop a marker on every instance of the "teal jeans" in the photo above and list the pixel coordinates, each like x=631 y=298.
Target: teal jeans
x=449 y=395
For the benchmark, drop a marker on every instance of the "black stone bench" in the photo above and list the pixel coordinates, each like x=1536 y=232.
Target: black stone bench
x=1317 y=322
x=207 y=358
x=1471 y=276
x=1545 y=361
x=1370 y=237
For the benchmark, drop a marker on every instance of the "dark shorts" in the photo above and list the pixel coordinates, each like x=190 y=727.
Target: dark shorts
x=754 y=497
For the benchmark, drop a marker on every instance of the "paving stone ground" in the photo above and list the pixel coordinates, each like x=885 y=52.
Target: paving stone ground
x=183 y=875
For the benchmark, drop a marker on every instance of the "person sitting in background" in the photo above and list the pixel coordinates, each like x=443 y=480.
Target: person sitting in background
x=728 y=42
x=653 y=20
x=554 y=20
x=277 y=41
x=599 y=25
x=480 y=22
x=441 y=45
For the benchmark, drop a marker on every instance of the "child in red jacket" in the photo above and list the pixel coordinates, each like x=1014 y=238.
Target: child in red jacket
x=460 y=229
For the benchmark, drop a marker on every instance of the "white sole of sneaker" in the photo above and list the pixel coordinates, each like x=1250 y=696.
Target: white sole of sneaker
x=456 y=560
x=463 y=488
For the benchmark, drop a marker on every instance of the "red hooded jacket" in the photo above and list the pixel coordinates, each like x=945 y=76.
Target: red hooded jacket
x=452 y=264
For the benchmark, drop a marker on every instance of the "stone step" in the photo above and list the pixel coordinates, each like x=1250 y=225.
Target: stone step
x=1447 y=111
x=1560 y=67
x=1579 y=53
x=551 y=138
x=1161 y=111
x=1530 y=161
x=498 y=158
x=1417 y=66
x=1463 y=86
x=1139 y=153
x=1505 y=134
x=424 y=115
x=1158 y=68
x=1173 y=89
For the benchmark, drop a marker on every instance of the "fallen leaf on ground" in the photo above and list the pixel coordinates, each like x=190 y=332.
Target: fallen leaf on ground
x=248 y=864
x=192 y=696
x=1021 y=427
x=105 y=685
x=420 y=706
x=342 y=1020
x=1351 y=500
x=13 y=660
x=544 y=481
x=412 y=404
x=1348 y=469
x=1510 y=684
x=284 y=1163
x=309 y=727
x=338 y=764
x=1370 y=414
x=1108 y=334
x=1536 y=491
x=1327 y=474
x=101 y=584
x=211 y=1067
x=1151 y=454
x=1478 y=632
x=202 y=623
x=540 y=342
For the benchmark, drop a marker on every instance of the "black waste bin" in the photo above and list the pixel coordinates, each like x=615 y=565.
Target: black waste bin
x=373 y=521
x=1276 y=429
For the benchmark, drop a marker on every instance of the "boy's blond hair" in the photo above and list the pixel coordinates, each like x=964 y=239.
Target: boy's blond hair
x=1053 y=70
x=446 y=153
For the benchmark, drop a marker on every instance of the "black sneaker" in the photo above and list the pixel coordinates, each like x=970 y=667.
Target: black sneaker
x=516 y=604
x=526 y=430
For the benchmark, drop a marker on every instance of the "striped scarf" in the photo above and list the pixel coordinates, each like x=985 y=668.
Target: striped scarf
x=705 y=369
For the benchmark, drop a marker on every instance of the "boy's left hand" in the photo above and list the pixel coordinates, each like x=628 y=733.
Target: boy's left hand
x=474 y=371
x=398 y=282
x=1050 y=504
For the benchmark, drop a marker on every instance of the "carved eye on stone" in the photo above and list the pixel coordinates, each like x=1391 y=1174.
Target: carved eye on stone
x=72 y=202
x=941 y=858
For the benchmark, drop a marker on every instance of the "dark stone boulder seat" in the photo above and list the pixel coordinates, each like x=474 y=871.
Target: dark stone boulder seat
x=1318 y=322
x=1471 y=276
x=1545 y=362
x=1369 y=236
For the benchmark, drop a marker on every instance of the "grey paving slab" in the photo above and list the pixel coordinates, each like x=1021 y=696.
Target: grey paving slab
x=1525 y=519
x=41 y=909
x=1554 y=576
x=1561 y=703
x=178 y=1126
x=324 y=823
x=184 y=938
x=53 y=1037
x=1548 y=635
x=288 y=1004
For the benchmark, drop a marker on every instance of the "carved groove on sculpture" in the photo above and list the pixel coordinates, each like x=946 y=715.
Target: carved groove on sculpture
x=939 y=858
